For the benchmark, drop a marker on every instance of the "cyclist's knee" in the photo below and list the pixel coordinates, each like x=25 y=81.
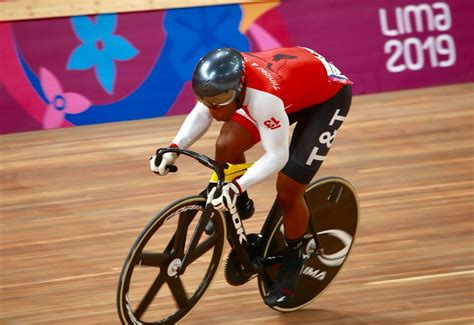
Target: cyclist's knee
x=227 y=149
x=224 y=143
x=232 y=142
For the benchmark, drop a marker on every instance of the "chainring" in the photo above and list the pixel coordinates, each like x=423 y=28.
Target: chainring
x=234 y=273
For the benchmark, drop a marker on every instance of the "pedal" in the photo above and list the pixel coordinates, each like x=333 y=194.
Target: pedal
x=272 y=260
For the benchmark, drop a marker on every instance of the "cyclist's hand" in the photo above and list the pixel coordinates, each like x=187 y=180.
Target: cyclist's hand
x=228 y=199
x=162 y=168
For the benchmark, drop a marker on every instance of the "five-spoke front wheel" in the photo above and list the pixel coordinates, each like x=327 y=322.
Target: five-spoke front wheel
x=150 y=290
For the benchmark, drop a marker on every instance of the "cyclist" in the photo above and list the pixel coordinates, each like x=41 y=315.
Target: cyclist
x=258 y=95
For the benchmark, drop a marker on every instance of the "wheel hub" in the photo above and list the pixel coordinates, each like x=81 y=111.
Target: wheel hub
x=174 y=267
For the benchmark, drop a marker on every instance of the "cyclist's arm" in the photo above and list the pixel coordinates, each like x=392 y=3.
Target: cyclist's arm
x=273 y=126
x=193 y=127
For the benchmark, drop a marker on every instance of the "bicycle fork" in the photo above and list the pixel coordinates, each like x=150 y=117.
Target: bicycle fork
x=204 y=219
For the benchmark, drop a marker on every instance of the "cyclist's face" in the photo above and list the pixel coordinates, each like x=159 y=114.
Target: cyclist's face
x=223 y=113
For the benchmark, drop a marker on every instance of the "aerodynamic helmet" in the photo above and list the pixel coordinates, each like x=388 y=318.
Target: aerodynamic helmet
x=218 y=77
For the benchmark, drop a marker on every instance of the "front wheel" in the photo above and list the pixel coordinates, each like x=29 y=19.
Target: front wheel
x=150 y=291
x=334 y=207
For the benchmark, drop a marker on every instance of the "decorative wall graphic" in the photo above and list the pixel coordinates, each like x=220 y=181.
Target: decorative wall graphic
x=118 y=67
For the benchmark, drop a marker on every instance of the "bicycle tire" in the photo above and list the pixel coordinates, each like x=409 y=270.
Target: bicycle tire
x=326 y=198
x=184 y=212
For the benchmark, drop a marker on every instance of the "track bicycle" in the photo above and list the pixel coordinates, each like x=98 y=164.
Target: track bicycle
x=174 y=259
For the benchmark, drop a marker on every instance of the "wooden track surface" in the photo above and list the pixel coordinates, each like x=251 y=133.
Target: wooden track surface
x=73 y=200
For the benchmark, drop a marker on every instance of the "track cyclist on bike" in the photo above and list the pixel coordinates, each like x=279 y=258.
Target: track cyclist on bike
x=258 y=95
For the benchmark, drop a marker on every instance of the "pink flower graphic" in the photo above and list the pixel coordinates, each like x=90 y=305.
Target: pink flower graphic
x=59 y=102
x=263 y=38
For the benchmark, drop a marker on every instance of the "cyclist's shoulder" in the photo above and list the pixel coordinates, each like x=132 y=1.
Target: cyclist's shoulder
x=258 y=99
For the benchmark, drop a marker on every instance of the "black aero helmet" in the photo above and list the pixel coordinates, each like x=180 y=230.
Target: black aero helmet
x=218 y=77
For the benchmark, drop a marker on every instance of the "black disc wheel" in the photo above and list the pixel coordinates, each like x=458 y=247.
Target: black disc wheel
x=150 y=290
x=334 y=208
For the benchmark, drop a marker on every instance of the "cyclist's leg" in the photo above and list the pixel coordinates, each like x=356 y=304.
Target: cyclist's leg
x=237 y=136
x=293 y=205
x=312 y=138
x=232 y=142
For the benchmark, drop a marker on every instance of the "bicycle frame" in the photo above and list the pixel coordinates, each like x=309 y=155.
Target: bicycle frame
x=236 y=234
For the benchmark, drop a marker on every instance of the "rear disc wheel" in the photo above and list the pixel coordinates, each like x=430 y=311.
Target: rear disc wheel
x=334 y=207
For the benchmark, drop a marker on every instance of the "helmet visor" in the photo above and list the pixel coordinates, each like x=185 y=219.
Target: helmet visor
x=222 y=99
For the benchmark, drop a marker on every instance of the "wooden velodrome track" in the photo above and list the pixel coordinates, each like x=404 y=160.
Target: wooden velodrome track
x=73 y=200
